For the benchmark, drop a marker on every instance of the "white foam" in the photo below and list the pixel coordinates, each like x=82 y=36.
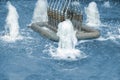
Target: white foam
x=66 y=47
x=92 y=13
x=10 y=39
x=109 y=36
x=40 y=12
x=112 y=36
x=12 y=26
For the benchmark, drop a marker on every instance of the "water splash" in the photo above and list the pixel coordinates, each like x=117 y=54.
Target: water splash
x=67 y=42
x=92 y=13
x=107 y=4
x=109 y=36
x=12 y=26
x=40 y=12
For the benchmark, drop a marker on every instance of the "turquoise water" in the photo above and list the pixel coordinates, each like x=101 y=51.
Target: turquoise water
x=29 y=59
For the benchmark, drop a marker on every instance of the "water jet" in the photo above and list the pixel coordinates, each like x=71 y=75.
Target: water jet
x=12 y=25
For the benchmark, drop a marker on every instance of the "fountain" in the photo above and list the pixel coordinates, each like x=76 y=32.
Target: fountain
x=12 y=26
x=40 y=12
x=92 y=13
x=67 y=42
x=58 y=11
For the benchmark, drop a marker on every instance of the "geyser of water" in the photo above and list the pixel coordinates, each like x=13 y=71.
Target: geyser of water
x=92 y=13
x=40 y=12
x=12 y=25
x=67 y=42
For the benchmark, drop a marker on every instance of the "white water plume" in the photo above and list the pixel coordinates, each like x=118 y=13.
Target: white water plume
x=12 y=26
x=92 y=13
x=40 y=12
x=67 y=42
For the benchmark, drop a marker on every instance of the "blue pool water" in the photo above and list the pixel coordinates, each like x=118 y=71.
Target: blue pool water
x=29 y=59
